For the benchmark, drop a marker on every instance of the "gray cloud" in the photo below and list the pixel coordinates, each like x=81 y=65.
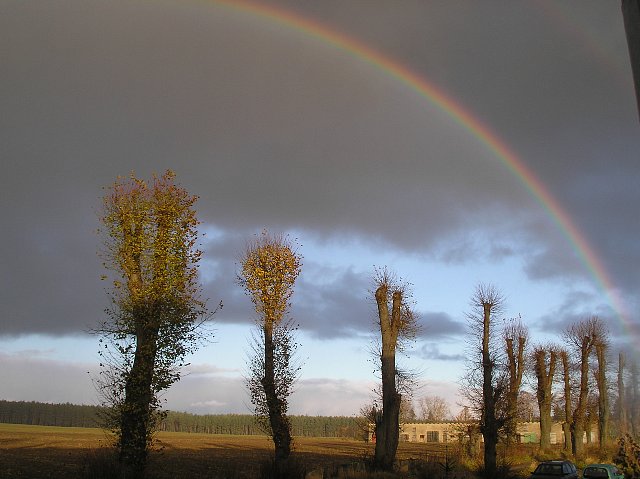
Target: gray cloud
x=276 y=129
x=432 y=351
x=34 y=376
x=334 y=308
x=577 y=306
x=227 y=394
x=440 y=326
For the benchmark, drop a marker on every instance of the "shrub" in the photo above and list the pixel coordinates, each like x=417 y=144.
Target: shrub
x=628 y=457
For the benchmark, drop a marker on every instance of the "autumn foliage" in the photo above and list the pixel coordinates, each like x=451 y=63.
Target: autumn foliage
x=270 y=267
x=150 y=246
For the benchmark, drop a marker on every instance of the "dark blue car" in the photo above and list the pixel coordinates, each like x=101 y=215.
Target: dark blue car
x=555 y=470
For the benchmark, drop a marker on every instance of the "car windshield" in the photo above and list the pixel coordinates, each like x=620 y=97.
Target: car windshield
x=554 y=469
x=595 y=472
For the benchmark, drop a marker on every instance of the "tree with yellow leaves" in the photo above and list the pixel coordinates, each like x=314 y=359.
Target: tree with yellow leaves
x=270 y=266
x=150 y=244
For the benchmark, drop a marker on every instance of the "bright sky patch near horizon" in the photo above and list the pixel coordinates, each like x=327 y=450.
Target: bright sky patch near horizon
x=273 y=127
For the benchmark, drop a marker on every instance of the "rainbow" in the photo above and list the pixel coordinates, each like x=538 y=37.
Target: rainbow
x=462 y=117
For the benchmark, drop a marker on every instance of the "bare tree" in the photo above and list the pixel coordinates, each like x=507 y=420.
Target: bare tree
x=398 y=325
x=516 y=336
x=545 y=370
x=434 y=409
x=270 y=267
x=583 y=337
x=602 y=349
x=568 y=408
x=407 y=411
x=528 y=409
x=485 y=385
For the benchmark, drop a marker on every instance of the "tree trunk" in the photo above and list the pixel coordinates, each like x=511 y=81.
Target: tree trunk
x=568 y=416
x=544 y=394
x=516 y=369
x=280 y=428
x=634 y=403
x=388 y=427
x=603 y=396
x=622 y=402
x=135 y=420
x=488 y=426
x=579 y=415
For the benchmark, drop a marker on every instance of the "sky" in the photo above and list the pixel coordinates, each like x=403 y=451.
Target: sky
x=455 y=143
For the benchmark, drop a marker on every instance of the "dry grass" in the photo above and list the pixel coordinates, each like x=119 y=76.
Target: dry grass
x=60 y=452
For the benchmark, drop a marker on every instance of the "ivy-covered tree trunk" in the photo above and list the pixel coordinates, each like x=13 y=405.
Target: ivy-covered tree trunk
x=136 y=417
x=279 y=422
x=151 y=236
x=388 y=423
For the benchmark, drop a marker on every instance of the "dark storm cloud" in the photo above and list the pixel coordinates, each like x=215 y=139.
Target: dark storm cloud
x=552 y=79
x=277 y=129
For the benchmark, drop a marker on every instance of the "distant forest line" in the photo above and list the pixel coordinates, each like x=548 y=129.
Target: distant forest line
x=74 y=415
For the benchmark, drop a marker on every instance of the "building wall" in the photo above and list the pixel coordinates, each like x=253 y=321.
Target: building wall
x=448 y=432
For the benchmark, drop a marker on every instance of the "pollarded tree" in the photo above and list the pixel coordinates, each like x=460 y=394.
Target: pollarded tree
x=150 y=237
x=398 y=327
x=582 y=338
x=270 y=266
x=516 y=338
x=485 y=385
x=602 y=351
x=568 y=400
x=544 y=363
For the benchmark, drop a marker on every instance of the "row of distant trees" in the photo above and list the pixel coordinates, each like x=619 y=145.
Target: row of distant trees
x=47 y=414
x=74 y=415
